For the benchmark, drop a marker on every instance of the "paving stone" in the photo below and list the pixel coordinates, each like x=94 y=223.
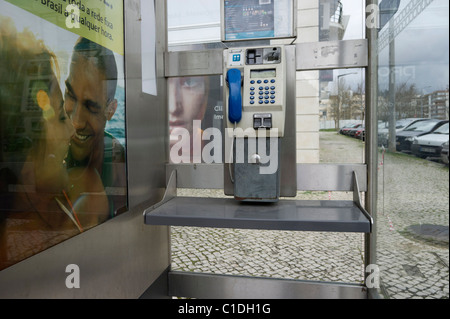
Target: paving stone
x=337 y=256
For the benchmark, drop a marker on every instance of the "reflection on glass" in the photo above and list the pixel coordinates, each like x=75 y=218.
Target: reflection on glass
x=342 y=111
x=200 y=25
x=413 y=201
x=341 y=92
x=341 y=20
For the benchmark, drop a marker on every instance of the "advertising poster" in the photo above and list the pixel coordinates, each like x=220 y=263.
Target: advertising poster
x=62 y=121
x=195 y=107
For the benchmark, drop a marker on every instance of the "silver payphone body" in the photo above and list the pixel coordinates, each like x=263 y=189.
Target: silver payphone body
x=255 y=107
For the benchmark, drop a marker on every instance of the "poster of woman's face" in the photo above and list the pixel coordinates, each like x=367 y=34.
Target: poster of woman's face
x=194 y=104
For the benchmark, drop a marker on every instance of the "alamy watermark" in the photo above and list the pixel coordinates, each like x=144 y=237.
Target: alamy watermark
x=72 y=16
x=188 y=148
x=73 y=279
x=373 y=279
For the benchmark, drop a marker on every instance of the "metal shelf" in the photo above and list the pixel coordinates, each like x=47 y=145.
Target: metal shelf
x=293 y=215
x=290 y=215
x=332 y=216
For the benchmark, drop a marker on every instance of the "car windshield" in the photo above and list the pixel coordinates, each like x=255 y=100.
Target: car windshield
x=402 y=123
x=422 y=126
x=442 y=129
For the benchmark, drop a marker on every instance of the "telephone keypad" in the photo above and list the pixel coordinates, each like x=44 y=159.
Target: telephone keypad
x=266 y=93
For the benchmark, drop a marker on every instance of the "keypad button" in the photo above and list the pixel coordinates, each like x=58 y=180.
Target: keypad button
x=272 y=81
x=272 y=97
x=252 y=93
x=272 y=101
x=272 y=87
x=261 y=102
x=252 y=82
x=261 y=92
x=266 y=101
x=252 y=97
x=259 y=82
x=252 y=102
x=266 y=81
x=252 y=88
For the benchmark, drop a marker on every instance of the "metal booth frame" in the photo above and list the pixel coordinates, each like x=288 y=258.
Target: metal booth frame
x=349 y=216
x=130 y=256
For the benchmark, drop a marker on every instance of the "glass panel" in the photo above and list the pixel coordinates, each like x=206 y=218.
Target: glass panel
x=193 y=21
x=342 y=110
x=329 y=100
x=413 y=199
x=257 y=19
x=341 y=20
x=342 y=92
x=62 y=105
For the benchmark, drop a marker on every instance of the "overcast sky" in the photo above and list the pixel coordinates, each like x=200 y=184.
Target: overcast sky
x=422 y=48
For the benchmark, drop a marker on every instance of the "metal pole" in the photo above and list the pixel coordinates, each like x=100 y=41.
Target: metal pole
x=391 y=106
x=371 y=147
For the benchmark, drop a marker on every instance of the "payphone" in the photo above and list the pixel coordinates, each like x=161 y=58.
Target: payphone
x=255 y=106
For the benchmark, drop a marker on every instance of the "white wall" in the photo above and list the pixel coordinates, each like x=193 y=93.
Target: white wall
x=307 y=86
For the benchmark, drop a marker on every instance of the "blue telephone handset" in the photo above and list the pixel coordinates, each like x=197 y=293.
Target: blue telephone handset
x=234 y=81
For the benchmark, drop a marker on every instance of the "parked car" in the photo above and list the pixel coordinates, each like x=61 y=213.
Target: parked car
x=383 y=128
x=360 y=132
x=405 y=137
x=444 y=153
x=403 y=123
x=383 y=133
x=346 y=129
x=430 y=145
x=351 y=132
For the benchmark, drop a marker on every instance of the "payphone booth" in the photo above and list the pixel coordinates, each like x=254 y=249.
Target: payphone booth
x=258 y=172
x=247 y=152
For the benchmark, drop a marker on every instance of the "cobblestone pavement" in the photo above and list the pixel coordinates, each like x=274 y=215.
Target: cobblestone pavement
x=412 y=192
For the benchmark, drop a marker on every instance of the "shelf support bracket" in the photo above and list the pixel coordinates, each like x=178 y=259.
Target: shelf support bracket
x=357 y=199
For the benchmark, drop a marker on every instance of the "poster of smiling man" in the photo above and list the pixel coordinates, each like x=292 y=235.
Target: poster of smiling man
x=62 y=112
